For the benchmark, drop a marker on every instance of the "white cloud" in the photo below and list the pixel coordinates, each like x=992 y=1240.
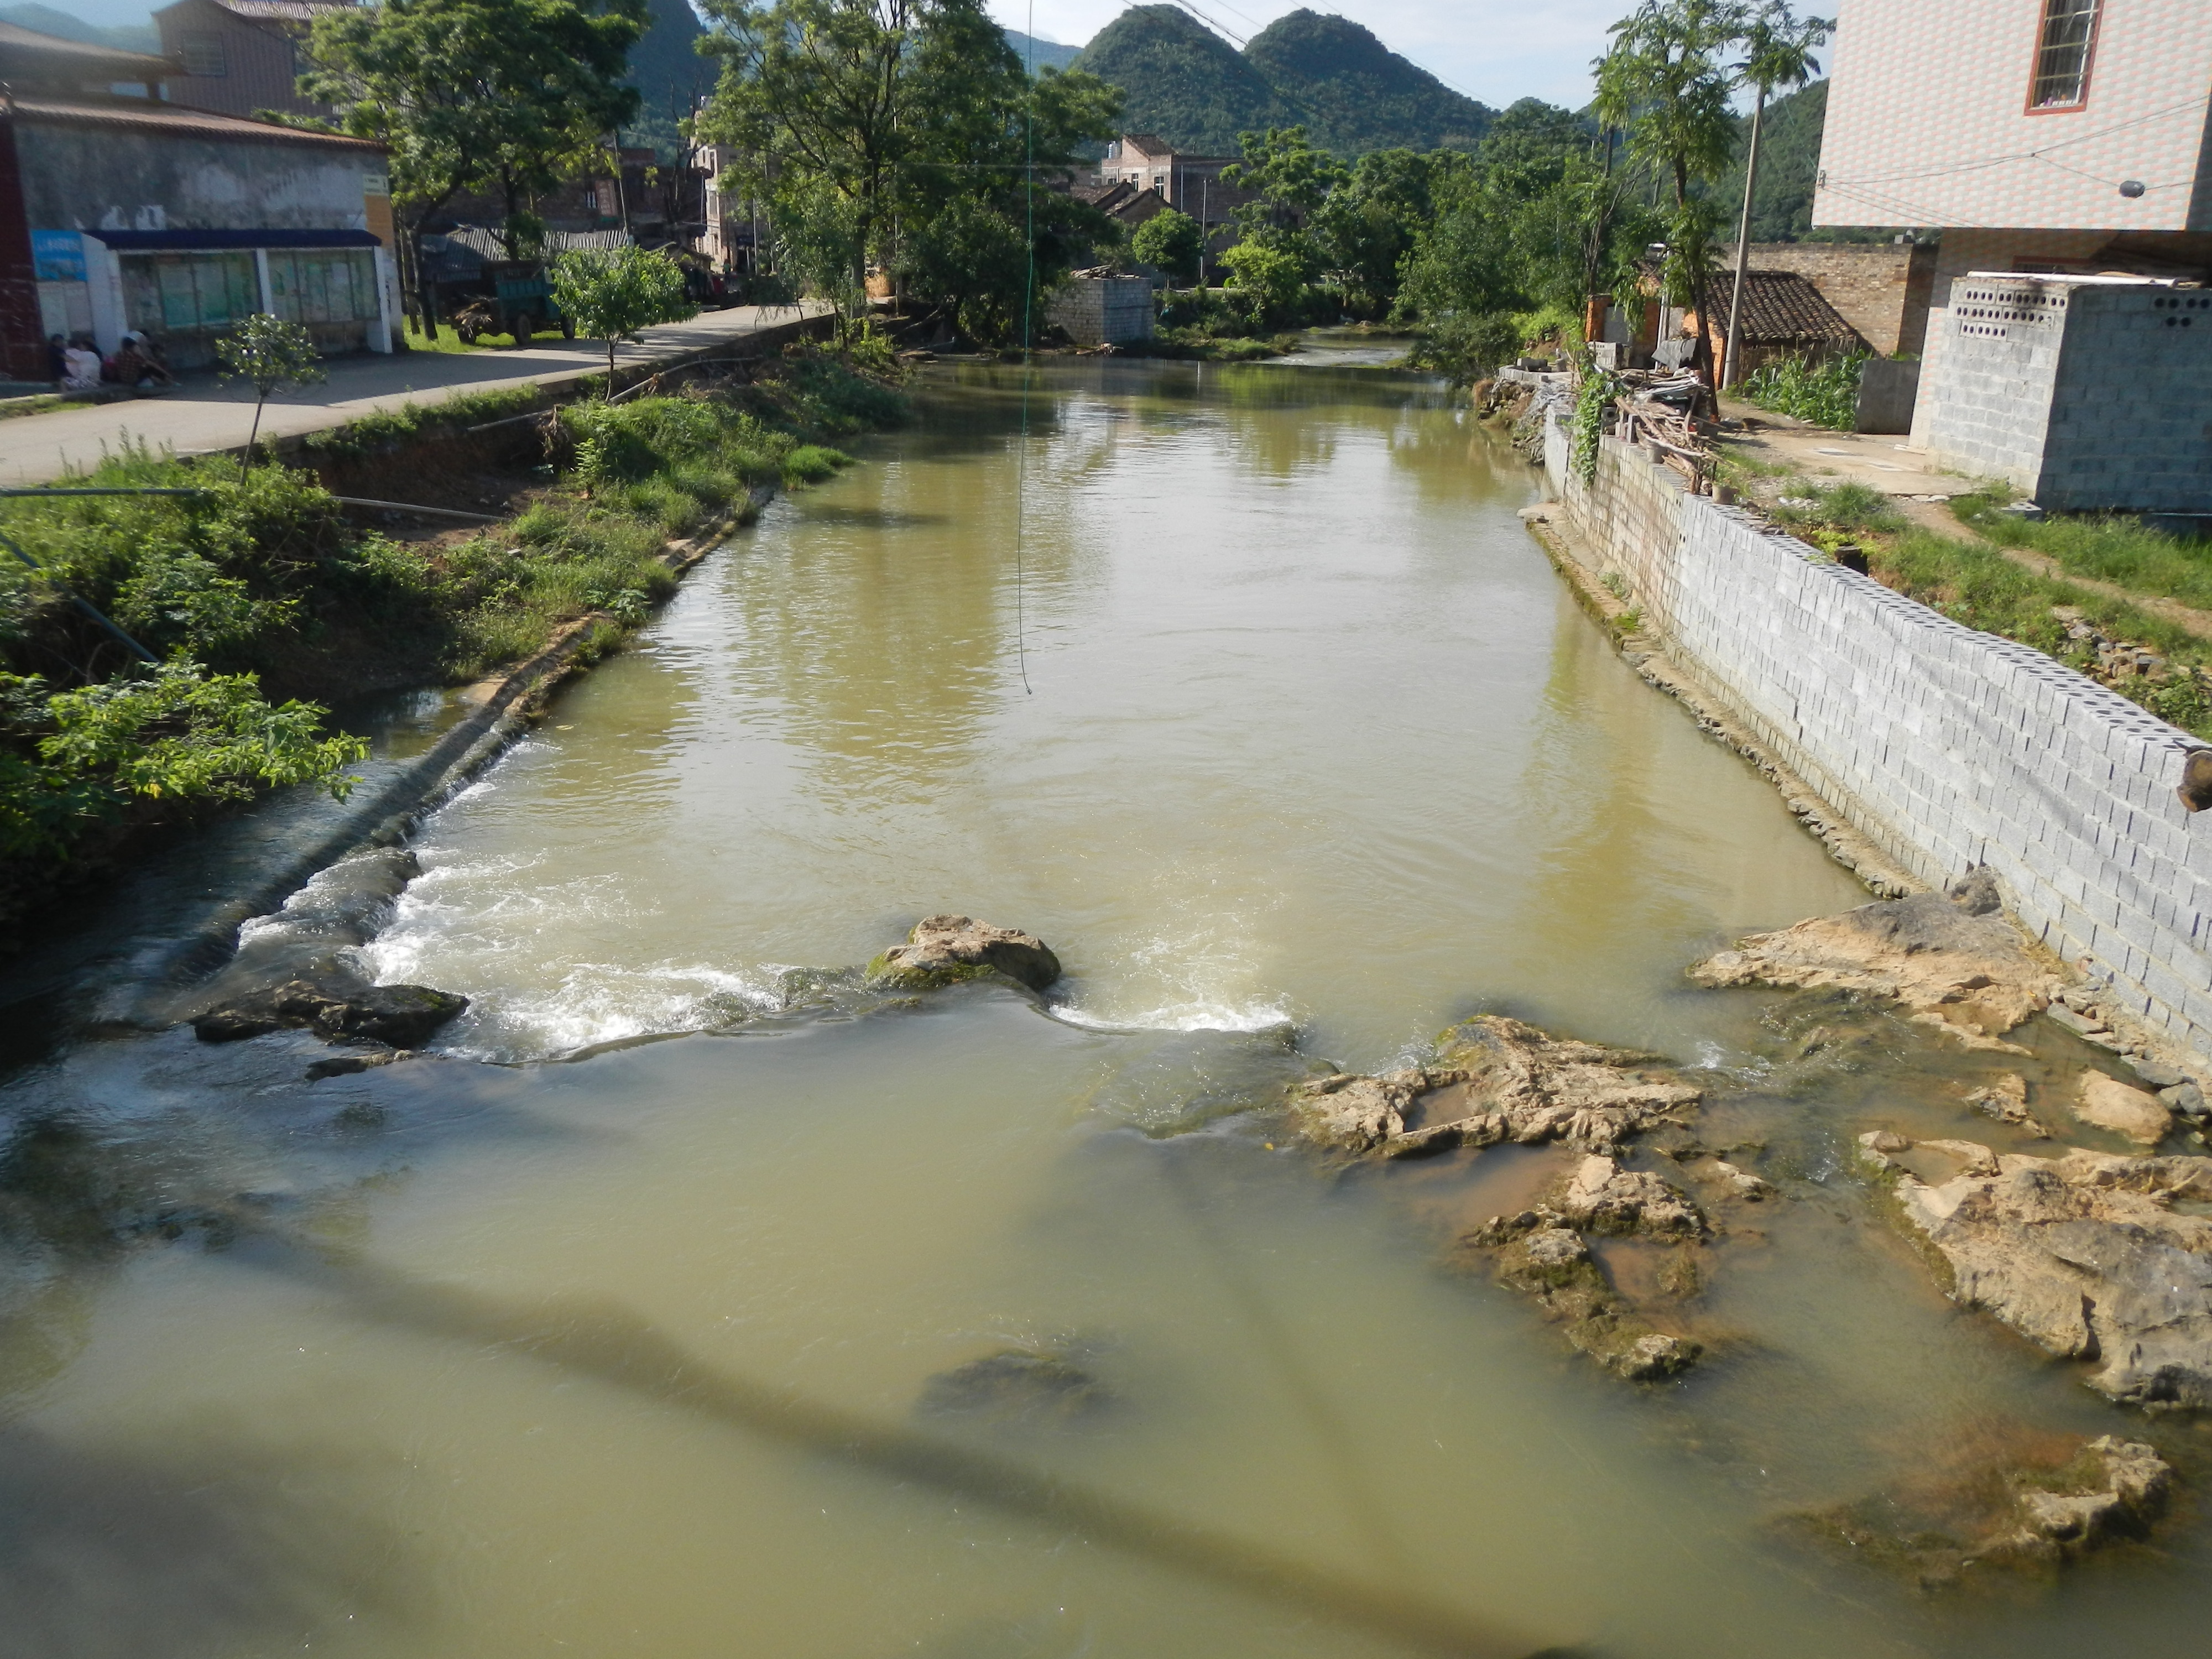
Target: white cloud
x=1493 y=49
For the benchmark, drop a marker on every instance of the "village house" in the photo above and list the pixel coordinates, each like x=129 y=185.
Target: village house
x=240 y=57
x=2063 y=148
x=1189 y=184
x=127 y=212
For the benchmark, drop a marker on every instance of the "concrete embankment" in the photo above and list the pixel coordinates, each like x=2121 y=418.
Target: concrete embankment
x=1935 y=747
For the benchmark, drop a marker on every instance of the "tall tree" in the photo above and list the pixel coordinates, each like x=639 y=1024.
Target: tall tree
x=475 y=94
x=1778 y=52
x=910 y=126
x=1667 y=83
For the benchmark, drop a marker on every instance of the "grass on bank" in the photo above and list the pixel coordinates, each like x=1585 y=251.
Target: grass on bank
x=2112 y=548
x=1974 y=584
x=263 y=600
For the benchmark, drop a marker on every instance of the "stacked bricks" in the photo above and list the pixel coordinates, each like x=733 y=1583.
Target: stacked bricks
x=2089 y=396
x=1945 y=747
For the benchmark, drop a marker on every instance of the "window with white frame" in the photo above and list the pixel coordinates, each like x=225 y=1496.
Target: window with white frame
x=2061 y=55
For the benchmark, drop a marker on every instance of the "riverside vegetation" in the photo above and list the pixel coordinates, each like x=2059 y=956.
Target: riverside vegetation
x=262 y=603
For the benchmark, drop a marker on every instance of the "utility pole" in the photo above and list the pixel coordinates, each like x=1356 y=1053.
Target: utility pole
x=1728 y=376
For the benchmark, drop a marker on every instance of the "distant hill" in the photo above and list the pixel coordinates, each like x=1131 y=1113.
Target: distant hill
x=1353 y=94
x=1050 y=54
x=130 y=37
x=1182 y=80
x=669 y=75
x=1789 y=161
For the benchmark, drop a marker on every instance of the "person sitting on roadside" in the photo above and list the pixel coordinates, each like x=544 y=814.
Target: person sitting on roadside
x=128 y=365
x=83 y=366
x=57 y=359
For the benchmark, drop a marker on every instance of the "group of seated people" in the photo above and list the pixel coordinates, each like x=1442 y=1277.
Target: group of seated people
x=77 y=366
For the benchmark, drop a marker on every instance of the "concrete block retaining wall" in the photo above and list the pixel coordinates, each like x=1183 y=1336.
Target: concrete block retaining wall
x=1945 y=747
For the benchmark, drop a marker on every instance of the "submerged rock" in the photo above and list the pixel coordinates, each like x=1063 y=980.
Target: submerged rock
x=1537 y=1253
x=1953 y=959
x=1604 y=1198
x=336 y=1003
x=945 y=950
x=2084 y=1254
x=2135 y=1114
x=2005 y=1099
x=2034 y=1513
x=1014 y=1385
x=1496 y=1080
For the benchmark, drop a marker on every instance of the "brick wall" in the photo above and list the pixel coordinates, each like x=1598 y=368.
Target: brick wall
x=2088 y=396
x=1882 y=289
x=1093 y=309
x=1945 y=747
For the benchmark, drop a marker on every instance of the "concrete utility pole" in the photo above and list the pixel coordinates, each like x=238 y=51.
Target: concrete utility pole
x=1728 y=376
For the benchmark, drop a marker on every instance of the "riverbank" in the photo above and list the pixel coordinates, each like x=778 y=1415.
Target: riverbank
x=268 y=599
x=1946 y=748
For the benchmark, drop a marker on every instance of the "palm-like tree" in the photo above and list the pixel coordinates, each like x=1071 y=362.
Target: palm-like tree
x=1778 y=52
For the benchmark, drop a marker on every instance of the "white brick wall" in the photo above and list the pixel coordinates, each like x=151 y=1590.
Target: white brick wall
x=1945 y=747
x=2088 y=396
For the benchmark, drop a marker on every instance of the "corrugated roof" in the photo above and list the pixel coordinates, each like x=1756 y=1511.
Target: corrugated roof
x=294 y=11
x=82 y=56
x=1781 y=307
x=148 y=115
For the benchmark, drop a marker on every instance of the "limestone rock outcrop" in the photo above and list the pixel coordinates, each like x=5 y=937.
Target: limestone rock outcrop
x=2085 y=1254
x=1952 y=958
x=943 y=950
x=1496 y=1080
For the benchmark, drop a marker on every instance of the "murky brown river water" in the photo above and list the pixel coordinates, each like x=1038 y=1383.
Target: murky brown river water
x=624 y=1347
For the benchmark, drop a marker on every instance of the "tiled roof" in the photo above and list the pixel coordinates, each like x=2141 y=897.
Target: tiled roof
x=1783 y=307
x=296 y=11
x=148 y=115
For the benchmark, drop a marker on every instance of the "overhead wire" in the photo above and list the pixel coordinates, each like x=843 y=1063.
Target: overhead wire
x=1029 y=301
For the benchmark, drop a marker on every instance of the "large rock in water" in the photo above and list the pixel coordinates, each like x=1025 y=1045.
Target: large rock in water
x=946 y=950
x=337 y=1004
x=2084 y=1254
x=1952 y=958
x=1497 y=1079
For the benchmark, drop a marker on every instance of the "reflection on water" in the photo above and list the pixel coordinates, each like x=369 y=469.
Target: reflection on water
x=646 y=1352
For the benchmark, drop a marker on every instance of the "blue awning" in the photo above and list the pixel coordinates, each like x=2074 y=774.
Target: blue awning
x=208 y=241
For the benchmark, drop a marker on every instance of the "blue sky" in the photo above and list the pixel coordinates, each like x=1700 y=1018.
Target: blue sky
x=1493 y=49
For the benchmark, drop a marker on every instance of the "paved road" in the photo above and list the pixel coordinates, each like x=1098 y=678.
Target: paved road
x=202 y=416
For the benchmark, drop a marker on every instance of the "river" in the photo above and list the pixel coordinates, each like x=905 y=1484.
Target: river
x=609 y=1332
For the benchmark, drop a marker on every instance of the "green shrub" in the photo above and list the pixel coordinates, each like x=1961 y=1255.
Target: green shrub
x=1825 y=393
x=811 y=463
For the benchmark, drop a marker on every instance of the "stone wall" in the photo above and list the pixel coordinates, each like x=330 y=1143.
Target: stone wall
x=1095 y=310
x=1882 y=289
x=1945 y=747
x=2089 y=395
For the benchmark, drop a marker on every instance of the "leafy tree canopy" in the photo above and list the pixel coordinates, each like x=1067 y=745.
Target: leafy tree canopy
x=495 y=94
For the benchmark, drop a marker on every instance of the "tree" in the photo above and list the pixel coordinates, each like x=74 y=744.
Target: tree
x=910 y=128
x=1666 y=84
x=1369 y=225
x=1778 y=54
x=1270 y=277
x=468 y=94
x=612 y=293
x=272 y=354
x=1173 y=242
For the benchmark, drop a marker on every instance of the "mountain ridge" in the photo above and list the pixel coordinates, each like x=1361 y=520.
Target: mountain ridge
x=1351 y=93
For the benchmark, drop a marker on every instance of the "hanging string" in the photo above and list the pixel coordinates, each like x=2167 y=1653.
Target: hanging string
x=1028 y=295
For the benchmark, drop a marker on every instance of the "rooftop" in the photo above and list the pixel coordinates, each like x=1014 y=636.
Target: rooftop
x=28 y=55
x=174 y=119
x=1782 y=307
